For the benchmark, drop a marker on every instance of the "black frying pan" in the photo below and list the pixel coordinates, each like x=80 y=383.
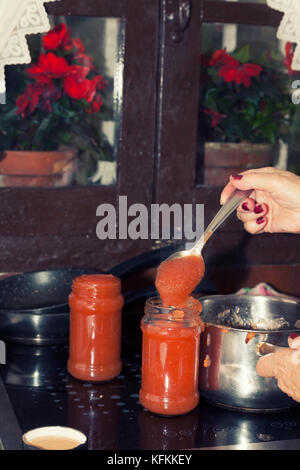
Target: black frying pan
x=34 y=306
x=39 y=291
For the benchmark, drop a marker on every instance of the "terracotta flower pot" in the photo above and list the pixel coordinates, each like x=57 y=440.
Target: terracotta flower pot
x=224 y=159
x=33 y=168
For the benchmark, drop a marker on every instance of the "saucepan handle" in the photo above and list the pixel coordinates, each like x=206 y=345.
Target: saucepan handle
x=262 y=349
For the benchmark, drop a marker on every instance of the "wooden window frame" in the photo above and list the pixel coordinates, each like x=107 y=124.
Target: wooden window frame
x=231 y=245
x=48 y=228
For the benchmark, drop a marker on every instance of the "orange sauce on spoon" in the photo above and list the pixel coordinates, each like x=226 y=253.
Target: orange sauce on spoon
x=177 y=278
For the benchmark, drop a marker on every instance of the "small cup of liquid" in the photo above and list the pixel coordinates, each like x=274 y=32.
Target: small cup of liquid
x=54 y=438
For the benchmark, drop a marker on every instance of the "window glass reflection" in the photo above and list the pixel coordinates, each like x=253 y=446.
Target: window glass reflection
x=66 y=104
x=246 y=115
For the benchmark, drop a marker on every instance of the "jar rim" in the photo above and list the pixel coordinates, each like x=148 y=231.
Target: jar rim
x=95 y=285
x=155 y=303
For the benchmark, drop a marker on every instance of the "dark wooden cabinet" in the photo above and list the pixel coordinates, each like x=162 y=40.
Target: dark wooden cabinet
x=48 y=228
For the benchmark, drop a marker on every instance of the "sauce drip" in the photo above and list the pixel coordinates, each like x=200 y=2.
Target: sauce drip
x=177 y=278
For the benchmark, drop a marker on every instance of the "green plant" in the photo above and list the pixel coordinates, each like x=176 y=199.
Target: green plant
x=245 y=101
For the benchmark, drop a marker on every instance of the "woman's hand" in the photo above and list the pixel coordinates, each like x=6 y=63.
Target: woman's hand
x=285 y=367
x=274 y=205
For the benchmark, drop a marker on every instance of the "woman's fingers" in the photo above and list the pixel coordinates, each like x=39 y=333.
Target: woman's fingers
x=247 y=206
x=249 y=210
x=256 y=226
x=268 y=181
x=264 y=179
x=227 y=191
x=253 y=216
x=294 y=343
x=284 y=366
x=268 y=366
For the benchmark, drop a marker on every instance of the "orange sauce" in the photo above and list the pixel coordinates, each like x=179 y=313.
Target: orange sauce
x=177 y=278
x=170 y=356
x=249 y=336
x=95 y=327
x=210 y=354
x=170 y=368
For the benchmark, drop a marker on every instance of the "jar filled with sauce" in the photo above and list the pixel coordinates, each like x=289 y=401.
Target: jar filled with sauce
x=170 y=358
x=95 y=327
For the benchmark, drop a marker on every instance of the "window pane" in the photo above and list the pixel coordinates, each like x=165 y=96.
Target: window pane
x=73 y=103
x=246 y=115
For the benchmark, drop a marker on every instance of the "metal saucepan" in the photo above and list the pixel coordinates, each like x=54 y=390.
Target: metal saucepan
x=239 y=329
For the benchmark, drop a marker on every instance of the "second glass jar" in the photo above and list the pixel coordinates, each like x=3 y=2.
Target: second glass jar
x=95 y=327
x=170 y=358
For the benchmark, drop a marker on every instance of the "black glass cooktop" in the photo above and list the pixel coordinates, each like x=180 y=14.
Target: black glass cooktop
x=42 y=393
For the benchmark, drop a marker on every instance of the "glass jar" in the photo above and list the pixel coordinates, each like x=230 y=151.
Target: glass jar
x=95 y=327
x=170 y=358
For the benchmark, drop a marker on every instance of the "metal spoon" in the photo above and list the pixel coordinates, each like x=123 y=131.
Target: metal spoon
x=236 y=198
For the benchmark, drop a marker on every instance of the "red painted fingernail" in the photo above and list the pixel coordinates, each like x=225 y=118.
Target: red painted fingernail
x=260 y=220
x=258 y=209
x=245 y=206
x=293 y=335
x=237 y=177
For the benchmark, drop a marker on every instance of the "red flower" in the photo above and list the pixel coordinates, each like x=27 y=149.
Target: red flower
x=28 y=101
x=220 y=58
x=77 y=86
x=49 y=66
x=80 y=89
x=57 y=38
x=95 y=105
x=99 y=82
x=85 y=60
x=216 y=117
x=79 y=54
x=289 y=55
x=74 y=45
x=240 y=73
x=78 y=45
x=232 y=70
x=217 y=58
x=36 y=95
x=79 y=71
x=54 y=75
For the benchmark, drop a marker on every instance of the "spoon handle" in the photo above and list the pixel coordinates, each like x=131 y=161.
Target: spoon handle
x=236 y=198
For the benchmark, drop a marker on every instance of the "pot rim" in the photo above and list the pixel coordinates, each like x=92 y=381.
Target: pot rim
x=231 y=328
x=259 y=331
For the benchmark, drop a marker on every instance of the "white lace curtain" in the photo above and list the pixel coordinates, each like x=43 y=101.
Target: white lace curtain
x=21 y=17
x=289 y=29
x=17 y=19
